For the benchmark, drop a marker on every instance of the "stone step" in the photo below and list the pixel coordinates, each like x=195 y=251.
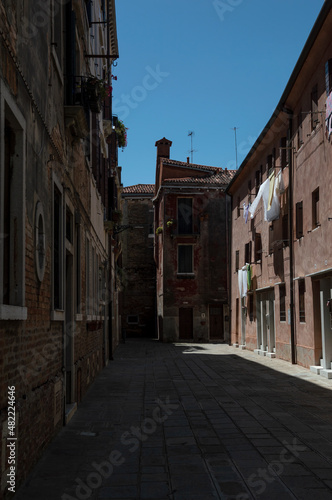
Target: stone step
x=326 y=373
x=316 y=369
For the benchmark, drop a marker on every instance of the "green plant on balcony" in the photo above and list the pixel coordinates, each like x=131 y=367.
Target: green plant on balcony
x=159 y=230
x=96 y=91
x=121 y=132
x=170 y=223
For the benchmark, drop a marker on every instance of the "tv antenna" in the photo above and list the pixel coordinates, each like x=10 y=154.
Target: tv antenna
x=191 y=133
x=235 y=129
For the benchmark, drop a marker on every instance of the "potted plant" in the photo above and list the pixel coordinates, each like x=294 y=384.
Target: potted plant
x=121 y=132
x=96 y=91
x=159 y=230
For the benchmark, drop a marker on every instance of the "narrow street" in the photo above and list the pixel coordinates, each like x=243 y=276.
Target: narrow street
x=193 y=421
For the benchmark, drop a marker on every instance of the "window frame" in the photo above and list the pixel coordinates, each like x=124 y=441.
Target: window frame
x=282 y=303
x=58 y=312
x=315 y=208
x=180 y=272
x=181 y=222
x=302 y=290
x=299 y=219
x=15 y=309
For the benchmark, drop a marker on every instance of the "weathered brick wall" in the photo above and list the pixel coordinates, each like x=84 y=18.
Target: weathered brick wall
x=139 y=294
x=32 y=351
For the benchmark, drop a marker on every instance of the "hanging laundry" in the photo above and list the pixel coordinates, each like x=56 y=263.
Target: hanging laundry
x=240 y=280
x=246 y=212
x=244 y=282
x=272 y=213
x=249 y=272
x=280 y=186
x=272 y=179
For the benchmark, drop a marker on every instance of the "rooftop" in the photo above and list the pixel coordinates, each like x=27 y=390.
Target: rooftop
x=139 y=189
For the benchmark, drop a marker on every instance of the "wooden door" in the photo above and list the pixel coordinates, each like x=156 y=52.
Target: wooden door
x=186 y=330
x=216 y=322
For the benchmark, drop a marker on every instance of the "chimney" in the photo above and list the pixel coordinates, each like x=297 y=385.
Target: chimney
x=226 y=170
x=187 y=159
x=163 y=148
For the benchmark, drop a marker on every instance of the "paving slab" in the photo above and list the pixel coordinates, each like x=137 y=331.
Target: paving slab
x=188 y=421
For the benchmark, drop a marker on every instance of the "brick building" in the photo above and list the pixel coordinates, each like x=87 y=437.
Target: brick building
x=286 y=311
x=191 y=249
x=138 y=315
x=58 y=169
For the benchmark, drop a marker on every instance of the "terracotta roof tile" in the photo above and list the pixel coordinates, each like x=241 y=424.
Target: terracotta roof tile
x=221 y=177
x=139 y=189
x=167 y=161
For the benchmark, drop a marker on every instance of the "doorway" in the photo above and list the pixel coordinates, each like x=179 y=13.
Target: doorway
x=216 y=322
x=265 y=322
x=186 y=330
x=326 y=321
x=69 y=331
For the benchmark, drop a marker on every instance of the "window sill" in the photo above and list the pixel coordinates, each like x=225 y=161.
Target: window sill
x=186 y=275
x=15 y=313
x=57 y=315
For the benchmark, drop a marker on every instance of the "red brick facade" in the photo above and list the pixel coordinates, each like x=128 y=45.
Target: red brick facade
x=191 y=249
x=56 y=261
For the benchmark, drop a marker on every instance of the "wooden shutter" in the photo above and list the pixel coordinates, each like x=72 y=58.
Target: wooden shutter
x=328 y=76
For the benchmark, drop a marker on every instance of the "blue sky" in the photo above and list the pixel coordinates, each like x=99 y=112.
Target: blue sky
x=205 y=66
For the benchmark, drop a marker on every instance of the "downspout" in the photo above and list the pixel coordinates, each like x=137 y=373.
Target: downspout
x=291 y=238
x=229 y=262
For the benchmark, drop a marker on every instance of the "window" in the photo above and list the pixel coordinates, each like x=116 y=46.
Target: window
x=299 y=219
x=285 y=235
x=78 y=262
x=314 y=108
x=258 y=181
x=12 y=209
x=258 y=247
x=40 y=244
x=185 y=259
x=251 y=307
x=57 y=30
x=88 y=5
x=69 y=225
x=315 y=209
x=132 y=319
x=247 y=253
x=57 y=247
x=328 y=76
x=237 y=260
x=269 y=164
x=238 y=208
x=283 y=152
x=282 y=302
x=302 y=300
x=185 y=215
x=249 y=192
x=271 y=238
x=87 y=276
x=300 y=129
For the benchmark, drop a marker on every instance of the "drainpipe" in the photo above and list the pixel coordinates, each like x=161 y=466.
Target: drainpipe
x=291 y=238
x=229 y=260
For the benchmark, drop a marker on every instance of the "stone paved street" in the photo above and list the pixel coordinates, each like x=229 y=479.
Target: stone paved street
x=193 y=421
